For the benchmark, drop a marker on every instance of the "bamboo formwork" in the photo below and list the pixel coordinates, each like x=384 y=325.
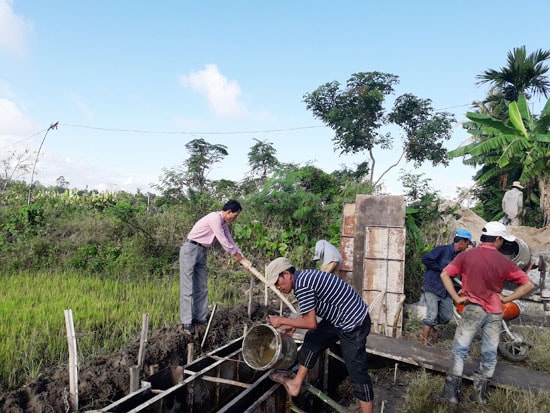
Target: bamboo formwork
x=221 y=382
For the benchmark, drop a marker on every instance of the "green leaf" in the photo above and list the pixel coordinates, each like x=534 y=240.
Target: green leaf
x=516 y=119
x=524 y=109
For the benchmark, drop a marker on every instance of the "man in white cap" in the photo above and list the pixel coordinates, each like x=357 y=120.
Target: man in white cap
x=344 y=317
x=439 y=305
x=484 y=271
x=512 y=204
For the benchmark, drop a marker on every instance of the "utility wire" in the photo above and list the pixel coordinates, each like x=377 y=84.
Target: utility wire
x=192 y=133
x=24 y=139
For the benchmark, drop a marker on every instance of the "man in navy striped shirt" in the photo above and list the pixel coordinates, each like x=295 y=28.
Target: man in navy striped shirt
x=344 y=317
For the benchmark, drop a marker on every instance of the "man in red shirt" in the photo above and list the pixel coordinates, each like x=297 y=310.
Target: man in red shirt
x=484 y=271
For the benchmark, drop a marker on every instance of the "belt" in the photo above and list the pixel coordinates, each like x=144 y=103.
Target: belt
x=195 y=242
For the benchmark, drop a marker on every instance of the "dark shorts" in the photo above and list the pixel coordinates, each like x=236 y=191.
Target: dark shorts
x=353 y=345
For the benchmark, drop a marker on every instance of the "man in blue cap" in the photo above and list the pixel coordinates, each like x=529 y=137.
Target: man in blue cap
x=439 y=304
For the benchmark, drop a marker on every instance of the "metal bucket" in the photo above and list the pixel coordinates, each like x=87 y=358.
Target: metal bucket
x=518 y=251
x=266 y=348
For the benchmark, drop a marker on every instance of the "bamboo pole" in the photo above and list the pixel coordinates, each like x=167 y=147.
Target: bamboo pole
x=73 y=360
x=279 y=294
x=250 y=296
x=143 y=339
x=209 y=324
x=136 y=370
x=134 y=378
x=325 y=398
x=219 y=380
x=190 y=350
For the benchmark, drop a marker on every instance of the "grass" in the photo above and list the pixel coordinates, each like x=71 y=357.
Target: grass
x=107 y=313
x=424 y=384
x=419 y=398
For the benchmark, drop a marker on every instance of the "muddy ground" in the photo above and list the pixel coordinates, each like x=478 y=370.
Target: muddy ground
x=106 y=379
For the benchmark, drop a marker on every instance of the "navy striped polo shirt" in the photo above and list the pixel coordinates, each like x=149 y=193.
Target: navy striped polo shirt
x=333 y=299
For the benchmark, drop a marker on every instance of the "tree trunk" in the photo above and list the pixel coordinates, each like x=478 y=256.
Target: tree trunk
x=544 y=187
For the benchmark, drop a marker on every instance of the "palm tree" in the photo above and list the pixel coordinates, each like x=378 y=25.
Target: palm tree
x=523 y=74
x=522 y=140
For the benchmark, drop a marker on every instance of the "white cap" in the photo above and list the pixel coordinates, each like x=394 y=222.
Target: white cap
x=496 y=229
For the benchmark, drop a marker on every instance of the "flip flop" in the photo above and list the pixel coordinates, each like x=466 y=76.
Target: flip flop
x=281 y=376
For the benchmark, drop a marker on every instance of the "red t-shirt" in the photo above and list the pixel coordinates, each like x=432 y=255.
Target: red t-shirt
x=484 y=271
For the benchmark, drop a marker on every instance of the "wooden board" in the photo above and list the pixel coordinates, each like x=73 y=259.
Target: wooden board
x=410 y=352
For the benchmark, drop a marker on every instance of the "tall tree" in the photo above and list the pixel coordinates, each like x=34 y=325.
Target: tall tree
x=522 y=139
x=357 y=116
x=261 y=158
x=15 y=166
x=191 y=178
x=523 y=74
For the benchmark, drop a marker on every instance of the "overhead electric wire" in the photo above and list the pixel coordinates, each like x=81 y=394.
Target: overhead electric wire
x=24 y=139
x=191 y=133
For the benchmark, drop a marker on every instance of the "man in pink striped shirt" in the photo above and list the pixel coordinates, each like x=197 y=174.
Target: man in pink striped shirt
x=193 y=269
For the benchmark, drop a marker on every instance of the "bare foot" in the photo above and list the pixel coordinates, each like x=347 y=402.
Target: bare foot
x=287 y=379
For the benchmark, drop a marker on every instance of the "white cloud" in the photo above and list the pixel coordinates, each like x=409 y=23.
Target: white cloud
x=14 y=125
x=222 y=94
x=13 y=30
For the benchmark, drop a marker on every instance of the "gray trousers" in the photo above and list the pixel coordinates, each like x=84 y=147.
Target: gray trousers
x=193 y=283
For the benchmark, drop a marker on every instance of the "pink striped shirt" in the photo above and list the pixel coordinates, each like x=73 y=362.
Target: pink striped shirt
x=210 y=227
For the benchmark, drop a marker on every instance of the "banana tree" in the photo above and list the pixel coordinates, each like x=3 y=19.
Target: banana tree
x=521 y=140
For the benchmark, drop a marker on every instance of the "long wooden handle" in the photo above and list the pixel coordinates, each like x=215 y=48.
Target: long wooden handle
x=260 y=277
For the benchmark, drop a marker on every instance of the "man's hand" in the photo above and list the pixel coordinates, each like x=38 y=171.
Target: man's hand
x=462 y=299
x=288 y=330
x=244 y=262
x=276 y=321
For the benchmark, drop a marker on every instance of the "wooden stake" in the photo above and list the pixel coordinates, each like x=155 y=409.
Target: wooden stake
x=143 y=340
x=73 y=360
x=397 y=314
x=250 y=297
x=190 y=349
x=209 y=323
x=134 y=378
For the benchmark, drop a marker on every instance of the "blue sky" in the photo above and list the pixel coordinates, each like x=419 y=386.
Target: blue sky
x=131 y=82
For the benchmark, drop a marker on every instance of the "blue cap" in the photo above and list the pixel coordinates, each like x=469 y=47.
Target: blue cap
x=463 y=233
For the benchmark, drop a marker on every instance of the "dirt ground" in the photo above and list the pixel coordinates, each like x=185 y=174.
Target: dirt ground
x=106 y=379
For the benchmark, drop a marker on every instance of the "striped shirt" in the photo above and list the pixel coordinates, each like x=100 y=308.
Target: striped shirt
x=332 y=299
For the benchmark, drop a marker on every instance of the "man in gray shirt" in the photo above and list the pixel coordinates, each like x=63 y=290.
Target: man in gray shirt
x=512 y=204
x=328 y=254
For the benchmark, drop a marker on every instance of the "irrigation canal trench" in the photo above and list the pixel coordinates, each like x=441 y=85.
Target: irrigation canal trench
x=221 y=381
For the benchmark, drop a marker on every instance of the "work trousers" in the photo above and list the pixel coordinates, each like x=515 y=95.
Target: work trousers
x=193 y=283
x=475 y=318
x=353 y=345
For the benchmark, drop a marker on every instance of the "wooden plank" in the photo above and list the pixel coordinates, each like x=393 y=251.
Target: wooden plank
x=410 y=352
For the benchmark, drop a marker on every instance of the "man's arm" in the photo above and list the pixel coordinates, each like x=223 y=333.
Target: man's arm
x=448 y=283
x=432 y=260
x=520 y=292
x=307 y=321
